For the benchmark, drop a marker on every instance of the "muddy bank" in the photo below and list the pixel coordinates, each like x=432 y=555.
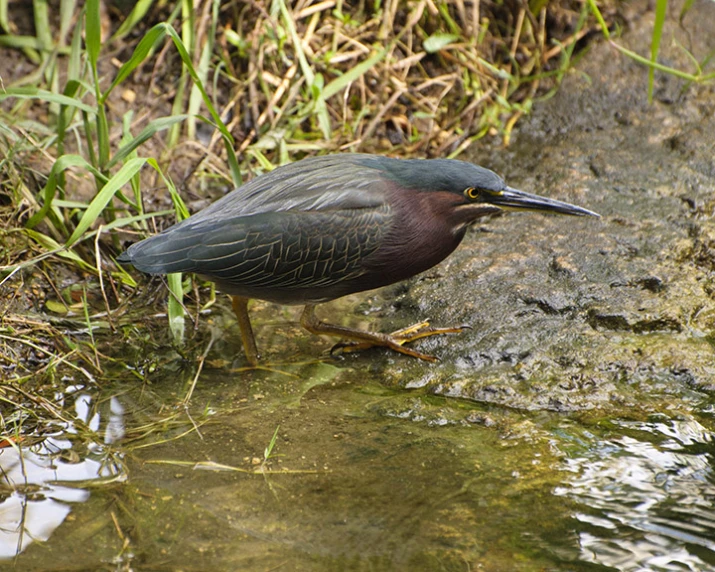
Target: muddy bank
x=569 y=313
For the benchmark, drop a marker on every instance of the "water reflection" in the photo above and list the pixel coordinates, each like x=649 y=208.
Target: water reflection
x=649 y=498
x=39 y=483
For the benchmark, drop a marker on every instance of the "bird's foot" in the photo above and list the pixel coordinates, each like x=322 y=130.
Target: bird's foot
x=396 y=340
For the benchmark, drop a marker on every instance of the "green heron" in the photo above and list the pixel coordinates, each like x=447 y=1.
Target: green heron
x=325 y=227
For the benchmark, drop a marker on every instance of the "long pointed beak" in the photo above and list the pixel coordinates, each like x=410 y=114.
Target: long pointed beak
x=510 y=198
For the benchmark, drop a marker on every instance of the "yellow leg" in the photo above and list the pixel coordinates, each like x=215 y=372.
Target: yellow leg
x=362 y=340
x=404 y=336
x=240 y=308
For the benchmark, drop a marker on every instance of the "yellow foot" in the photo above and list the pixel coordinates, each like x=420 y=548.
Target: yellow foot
x=396 y=340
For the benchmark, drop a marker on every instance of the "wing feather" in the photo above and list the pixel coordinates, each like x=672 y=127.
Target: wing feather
x=326 y=183
x=287 y=250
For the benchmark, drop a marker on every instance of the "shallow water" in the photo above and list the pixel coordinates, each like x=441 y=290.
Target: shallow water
x=361 y=477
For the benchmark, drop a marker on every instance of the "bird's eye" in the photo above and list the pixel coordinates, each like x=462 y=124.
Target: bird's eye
x=471 y=193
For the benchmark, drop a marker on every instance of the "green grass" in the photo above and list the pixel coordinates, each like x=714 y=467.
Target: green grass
x=661 y=6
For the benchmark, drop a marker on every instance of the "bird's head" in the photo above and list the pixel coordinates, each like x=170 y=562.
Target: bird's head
x=507 y=198
x=481 y=191
x=482 y=187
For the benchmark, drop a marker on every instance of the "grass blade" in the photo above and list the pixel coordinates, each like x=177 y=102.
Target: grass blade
x=62 y=164
x=353 y=74
x=175 y=307
x=44 y=95
x=147 y=133
x=660 y=8
x=96 y=207
x=135 y=16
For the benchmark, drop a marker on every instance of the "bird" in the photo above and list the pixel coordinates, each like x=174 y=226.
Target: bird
x=324 y=227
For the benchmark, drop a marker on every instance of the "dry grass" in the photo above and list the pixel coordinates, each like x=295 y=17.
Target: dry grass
x=439 y=75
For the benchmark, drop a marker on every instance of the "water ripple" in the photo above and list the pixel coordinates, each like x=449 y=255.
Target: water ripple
x=648 y=498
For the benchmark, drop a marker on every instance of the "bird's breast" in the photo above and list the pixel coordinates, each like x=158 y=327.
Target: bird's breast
x=421 y=235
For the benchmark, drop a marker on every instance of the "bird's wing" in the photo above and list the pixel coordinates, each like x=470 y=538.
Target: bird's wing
x=269 y=250
x=326 y=183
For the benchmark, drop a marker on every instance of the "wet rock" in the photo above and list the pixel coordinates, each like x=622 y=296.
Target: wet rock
x=575 y=314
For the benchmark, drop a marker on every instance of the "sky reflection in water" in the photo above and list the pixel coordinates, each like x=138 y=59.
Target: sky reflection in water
x=649 y=498
x=34 y=494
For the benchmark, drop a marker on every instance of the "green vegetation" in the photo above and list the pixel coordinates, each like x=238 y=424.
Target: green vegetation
x=660 y=13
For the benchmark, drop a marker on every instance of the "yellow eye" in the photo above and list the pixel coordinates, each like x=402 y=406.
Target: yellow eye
x=471 y=193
